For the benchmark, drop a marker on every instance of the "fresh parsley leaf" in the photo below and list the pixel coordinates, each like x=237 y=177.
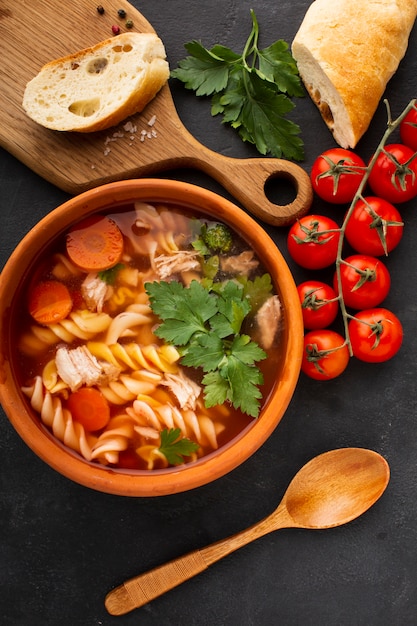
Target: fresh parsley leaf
x=205 y=324
x=257 y=110
x=184 y=310
x=233 y=311
x=257 y=291
x=109 y=276
x=205 y=351
x=277 y=65
x=203 y=71
x=217 y=389
x=246 y=351
x=251 y=90
x=243 y=381
x=175 y=449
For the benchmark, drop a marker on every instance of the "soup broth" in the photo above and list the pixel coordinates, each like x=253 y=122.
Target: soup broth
x=95 y=367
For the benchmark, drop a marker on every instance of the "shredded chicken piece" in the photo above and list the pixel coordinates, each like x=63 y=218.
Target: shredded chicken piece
x=177 y=261
x=242 y=263
x=95 y=292
x=184 y=389
x=79 y=367
x=267 y=319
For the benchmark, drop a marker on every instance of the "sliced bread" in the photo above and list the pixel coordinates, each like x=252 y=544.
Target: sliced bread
x=346 y=52
x=98 y=87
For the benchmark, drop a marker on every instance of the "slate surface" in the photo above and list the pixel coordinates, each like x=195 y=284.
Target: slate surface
x=63 y=546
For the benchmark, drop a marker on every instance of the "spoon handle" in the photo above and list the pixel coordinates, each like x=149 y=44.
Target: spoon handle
x=141 y=589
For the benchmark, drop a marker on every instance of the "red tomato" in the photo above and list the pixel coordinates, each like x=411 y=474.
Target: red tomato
x=336 y=175
x=308 y=246
x=374 y=227
x=408 y=129
x=326 y=354
x=376 y=335
x=394 y=175
x=319 y=304
x=365 y=281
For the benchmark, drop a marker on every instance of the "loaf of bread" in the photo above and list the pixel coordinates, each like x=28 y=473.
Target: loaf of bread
x=346 y=52
x=100 y=86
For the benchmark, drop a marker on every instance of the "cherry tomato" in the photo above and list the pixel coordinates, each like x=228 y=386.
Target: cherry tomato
x=376 y=335
x=326 y=354
x=319 y=304
x=374 y=227
x=365 y=281
x=408 y=129
x=394 y=175
x=308 y=247
x=336 y=175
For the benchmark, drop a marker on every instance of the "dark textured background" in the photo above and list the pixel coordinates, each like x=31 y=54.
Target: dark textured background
x=63 y=546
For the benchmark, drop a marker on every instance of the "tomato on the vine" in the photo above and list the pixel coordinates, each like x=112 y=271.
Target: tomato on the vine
x=309 y=245
x=375 y=334
x=325 y=356
x=365 y=281
x=394 y=174
x=408 y=129
x=319 y=304
x=374 y=226
x=336 y=175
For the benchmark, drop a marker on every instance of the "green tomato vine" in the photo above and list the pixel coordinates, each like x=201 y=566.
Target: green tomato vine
x=392 y=125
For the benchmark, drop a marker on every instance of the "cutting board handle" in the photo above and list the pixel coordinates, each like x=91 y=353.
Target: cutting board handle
x=246 y=180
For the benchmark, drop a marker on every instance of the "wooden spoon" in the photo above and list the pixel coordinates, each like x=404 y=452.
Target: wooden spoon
x=332 y=489
x=76 y=162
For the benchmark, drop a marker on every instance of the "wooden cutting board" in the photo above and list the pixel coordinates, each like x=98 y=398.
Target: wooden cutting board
x=33 y=32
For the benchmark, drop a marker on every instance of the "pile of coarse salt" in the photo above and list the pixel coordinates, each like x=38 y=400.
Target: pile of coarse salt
x=130 y=130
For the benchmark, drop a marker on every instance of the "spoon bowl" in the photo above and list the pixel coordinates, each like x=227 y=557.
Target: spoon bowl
x=336 y=487
x=330 y=490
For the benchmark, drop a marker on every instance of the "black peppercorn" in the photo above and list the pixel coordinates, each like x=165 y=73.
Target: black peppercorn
x=121 y=13
x=100 y=9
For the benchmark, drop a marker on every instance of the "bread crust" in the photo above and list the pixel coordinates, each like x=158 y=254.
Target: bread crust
x=346 y=52
x=98 y=87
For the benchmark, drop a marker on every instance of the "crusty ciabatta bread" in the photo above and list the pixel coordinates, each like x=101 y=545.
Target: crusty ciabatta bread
x=346 y=52
x=100 y=86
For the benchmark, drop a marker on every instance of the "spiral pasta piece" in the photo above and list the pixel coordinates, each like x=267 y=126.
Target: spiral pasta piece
x=125 y=324
x=59 y=420
x=113 y=440
x=157 y=226
x=64 y=268
x=152 y=456
x=152 y=358
x=51 y=380
x=81 y=324
x=198 y=427
x=128 y=387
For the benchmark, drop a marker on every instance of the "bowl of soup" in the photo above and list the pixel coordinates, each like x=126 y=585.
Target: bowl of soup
x=150 y=337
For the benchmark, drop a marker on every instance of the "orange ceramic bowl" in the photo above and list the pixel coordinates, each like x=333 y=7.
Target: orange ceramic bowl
x=151 y=482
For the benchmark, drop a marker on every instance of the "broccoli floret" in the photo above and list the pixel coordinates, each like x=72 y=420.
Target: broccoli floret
x=217 y=237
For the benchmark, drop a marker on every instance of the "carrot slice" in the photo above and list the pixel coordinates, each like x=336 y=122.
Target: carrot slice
x=49 y=302
x=95 y=244
x=90 y=408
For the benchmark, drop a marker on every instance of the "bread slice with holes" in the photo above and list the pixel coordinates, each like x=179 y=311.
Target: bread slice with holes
x=346 y=52
x=98 y=87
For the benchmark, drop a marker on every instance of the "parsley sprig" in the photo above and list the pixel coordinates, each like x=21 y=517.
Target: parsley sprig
x=175 y=448
x=252 y=90
x=205 y=325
